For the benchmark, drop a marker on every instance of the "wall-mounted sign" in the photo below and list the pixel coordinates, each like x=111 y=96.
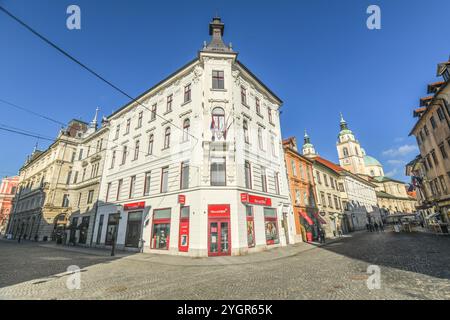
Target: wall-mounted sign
x=134 y=206
x=181 y=199
x=257 y=200
x=219 y=210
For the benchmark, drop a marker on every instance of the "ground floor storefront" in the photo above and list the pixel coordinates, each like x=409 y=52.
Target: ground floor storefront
x=196 y=223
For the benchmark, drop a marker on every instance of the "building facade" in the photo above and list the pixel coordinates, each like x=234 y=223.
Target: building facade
x=302 y=191
x=83 y=181
x=196 y=166
x=431 y=170
x=42 y=206
x=8 y=189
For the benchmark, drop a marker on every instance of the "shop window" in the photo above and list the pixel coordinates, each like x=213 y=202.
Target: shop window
x=111 y=229
x=250 y=226
x=161 y=229
x=271 y=226
x=84 y=230
x=100 y=228
x=134 y=226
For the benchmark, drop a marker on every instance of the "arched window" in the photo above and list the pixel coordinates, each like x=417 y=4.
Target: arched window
x=246 y=137
x=356 y=150
x=167 y=138
x=150 y=144
x=186 y=127
x=218 y=123
x=345 y=151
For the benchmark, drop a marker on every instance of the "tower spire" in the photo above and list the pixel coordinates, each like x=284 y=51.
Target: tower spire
x=216 y=30
x=94 y=121
x=343 y=123
x=308 y=149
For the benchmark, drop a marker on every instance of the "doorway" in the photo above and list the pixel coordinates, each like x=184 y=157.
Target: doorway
x=219 y=237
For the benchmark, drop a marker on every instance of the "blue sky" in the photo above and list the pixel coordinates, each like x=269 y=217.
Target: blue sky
x=317 y=55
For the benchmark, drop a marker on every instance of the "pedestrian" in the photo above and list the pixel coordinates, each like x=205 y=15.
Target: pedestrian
x=370 y=227
x=367 y=227
x=322 y=236
x=376 y=226
x=20 y=238
x=381 y=227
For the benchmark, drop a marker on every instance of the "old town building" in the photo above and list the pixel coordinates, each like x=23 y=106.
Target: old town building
x=8 y=188
x=83 y=180
x=431 y=170
x=196 y=166
x=42 y=206
x=303 y=194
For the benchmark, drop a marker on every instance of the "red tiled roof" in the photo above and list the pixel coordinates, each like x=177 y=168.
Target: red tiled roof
x=329 y=164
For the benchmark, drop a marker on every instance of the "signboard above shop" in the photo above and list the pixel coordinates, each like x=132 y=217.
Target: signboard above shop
x=134 y=206
x=256 y=200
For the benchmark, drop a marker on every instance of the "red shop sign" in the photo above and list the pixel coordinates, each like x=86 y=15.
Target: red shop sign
x=134 y=205
x=181 y=199
x=219 y=210
x=251 y=199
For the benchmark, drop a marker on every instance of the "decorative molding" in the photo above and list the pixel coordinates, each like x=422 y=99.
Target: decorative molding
x=182 y=115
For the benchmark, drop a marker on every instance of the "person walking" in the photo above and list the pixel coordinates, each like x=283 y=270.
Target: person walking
x=322 y=235
x=376 y=226
x=381 y=227
x=367 y=227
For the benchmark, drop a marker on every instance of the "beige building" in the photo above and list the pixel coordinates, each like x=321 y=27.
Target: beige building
x=431 y=171
x=392 y=196
x=41 y=207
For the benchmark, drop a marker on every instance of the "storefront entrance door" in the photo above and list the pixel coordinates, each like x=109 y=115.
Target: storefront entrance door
x=219 y=237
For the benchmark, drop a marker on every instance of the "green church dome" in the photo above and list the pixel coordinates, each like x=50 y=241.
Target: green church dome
x=371 y=161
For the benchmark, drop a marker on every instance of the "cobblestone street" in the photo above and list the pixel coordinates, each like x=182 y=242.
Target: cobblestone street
x=413 y=266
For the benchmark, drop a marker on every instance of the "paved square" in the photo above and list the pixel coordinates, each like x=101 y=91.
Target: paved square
x=413 y=266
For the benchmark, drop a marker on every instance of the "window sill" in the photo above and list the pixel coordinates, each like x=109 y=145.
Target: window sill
x=260 y=115
x=219 y=90
x=245 y=105
x=186 y=102
x=151 y=120
x=167 y=112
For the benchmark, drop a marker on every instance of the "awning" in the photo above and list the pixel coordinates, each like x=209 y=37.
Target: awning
x=318 y=217
x=307 y=218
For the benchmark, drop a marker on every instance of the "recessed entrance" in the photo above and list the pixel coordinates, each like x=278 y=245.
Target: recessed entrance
x=219 y=240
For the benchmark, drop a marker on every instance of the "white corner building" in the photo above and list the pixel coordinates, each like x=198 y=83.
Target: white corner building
x=195 y=165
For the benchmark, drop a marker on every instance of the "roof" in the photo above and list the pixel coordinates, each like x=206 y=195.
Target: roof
x=419 y=111
x=371 y=161
x=387 y=179
x=382 y=194
x=328 y=164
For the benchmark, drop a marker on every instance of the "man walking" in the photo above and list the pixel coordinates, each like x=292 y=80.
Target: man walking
x=376 y=226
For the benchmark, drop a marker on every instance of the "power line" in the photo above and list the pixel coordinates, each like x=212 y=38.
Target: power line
x=26 y=134
x=50 y=43
x=32 y=112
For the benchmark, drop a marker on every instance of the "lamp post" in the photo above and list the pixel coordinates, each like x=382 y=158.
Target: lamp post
x=114 y=235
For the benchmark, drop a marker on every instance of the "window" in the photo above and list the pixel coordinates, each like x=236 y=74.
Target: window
x=108 y=190
x=258 y=106
x=263 y=179
x=153 y=114
x=75 y=177
x=84 y=175
x=184 y=181
x=425 y=128
x=430 y=165
x=318 y=177
x=332 y=182
x=302 y=174
x=336 y=202
x=246 y=137
x=90 y=196
x=187 y=93
x=218 y=172
x=297 y=197
x=330 y=202
x=345 y=151
x=421 y=135
x=217 y=80
x=433 y=122
x=132 y=187
x=124 y=155
x=140 y=116
x=443 y=152
x=325 y=179
x=164 y=179
x=74 y=154
x=167 y=138
x=79 y=199
x=169 y=103
x=440 y=114
x=293 y=168
x=248 y=175
x=65 y=202
x=419 y=142
x=186 y=127
x=433 y=154
x=269 y=112
x=161 y=229
x=271 y=227
x=69 y=176
x=136 y=150
x=277 y=182
x=244 y=96
x=218 y=119
x=150 y=144
x=119 y=189
x=113 y=159
x=147 y=183
x=305 y=198
x=127 y=128
x=117 y=132
x=260 y=138
x=80 y=156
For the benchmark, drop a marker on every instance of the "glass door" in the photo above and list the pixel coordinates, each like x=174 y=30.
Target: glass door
x=219 y=238
x=224 y=241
